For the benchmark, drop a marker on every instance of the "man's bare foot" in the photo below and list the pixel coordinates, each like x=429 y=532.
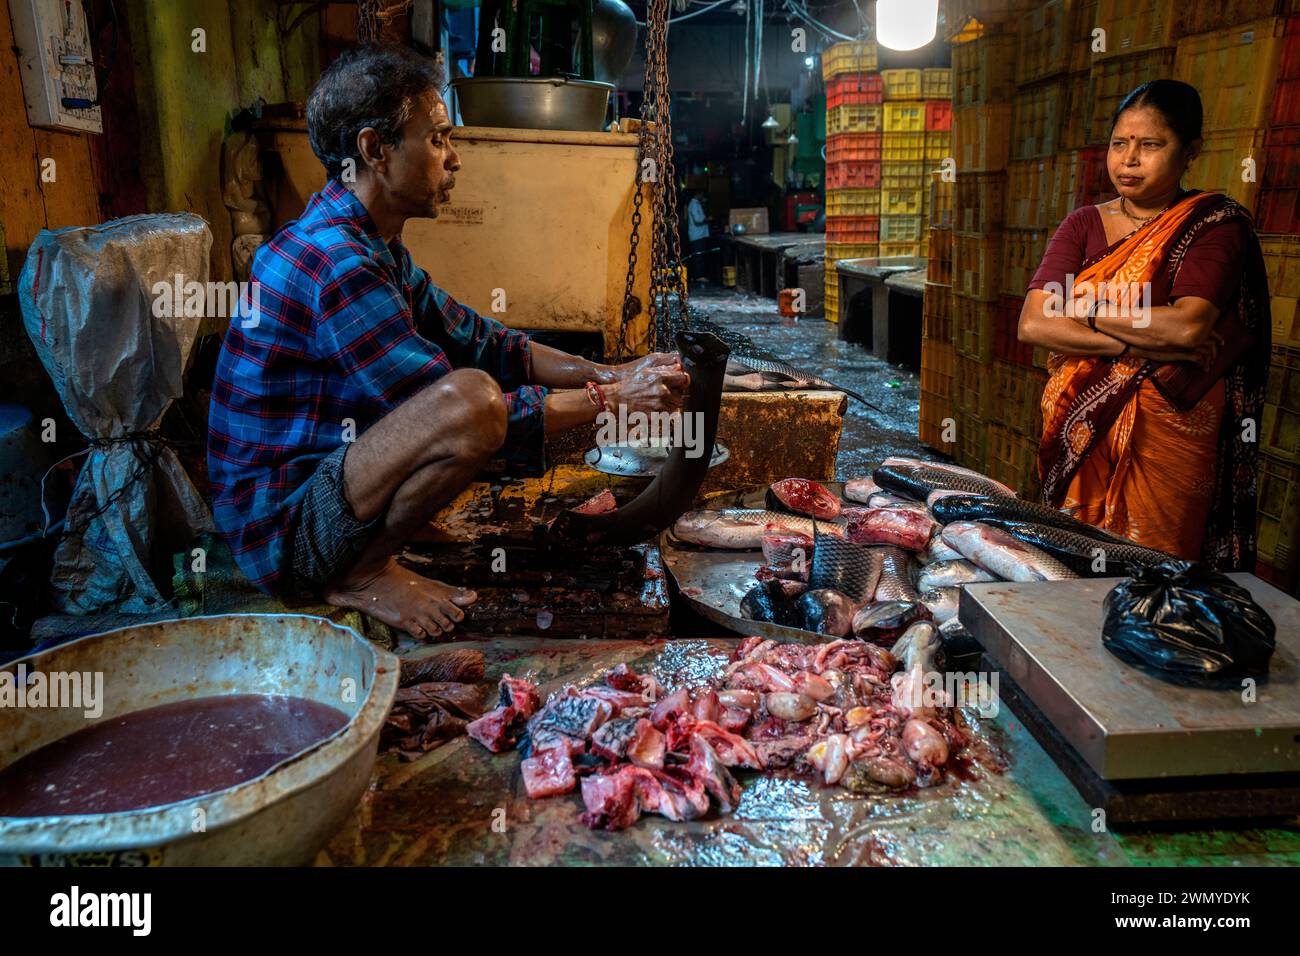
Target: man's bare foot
x=418 y=605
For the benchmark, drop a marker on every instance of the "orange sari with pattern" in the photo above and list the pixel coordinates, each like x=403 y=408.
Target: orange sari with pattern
x=1117 y=455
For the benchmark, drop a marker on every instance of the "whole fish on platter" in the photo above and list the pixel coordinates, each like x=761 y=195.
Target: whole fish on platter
x=997 y=551
x=975 y=507
x=740 y=529
x=1081 y=553
x=929 y=463
x=945 y=574
x=918 y=482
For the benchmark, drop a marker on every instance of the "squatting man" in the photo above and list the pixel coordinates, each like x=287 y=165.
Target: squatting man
x=363 y=398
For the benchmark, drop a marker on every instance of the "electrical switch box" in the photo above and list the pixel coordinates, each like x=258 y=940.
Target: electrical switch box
x=54 y=59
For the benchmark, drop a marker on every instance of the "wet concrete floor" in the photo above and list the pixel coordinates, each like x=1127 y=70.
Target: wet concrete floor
x=813 y=345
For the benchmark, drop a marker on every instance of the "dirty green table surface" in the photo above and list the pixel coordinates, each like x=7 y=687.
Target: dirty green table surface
x=460 y=805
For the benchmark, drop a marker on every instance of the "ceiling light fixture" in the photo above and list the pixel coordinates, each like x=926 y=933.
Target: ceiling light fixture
x=906 y=24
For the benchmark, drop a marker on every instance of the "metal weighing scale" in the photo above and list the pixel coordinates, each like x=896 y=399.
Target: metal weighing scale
x=1140 y=747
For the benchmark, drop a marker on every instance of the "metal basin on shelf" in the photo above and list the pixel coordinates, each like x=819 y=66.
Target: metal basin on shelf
x=536 y=102
x=282 y=817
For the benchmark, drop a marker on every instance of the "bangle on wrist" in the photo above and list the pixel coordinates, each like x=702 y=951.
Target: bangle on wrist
x=596 y=395
x=1124 y=350
x=1092 y=316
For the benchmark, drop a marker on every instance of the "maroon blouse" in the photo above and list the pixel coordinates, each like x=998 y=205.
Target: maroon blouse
x=1211 y=267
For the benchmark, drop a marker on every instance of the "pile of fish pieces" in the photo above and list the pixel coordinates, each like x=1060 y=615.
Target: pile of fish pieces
x=836 y=710
x=927 y=530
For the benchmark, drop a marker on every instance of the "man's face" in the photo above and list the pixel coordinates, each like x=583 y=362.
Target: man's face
x=422 y=166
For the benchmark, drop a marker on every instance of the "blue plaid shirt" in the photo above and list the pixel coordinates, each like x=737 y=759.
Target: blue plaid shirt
x=346 y=327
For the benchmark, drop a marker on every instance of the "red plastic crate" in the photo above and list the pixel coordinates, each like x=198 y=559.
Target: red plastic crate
x=1006 y=341
x=1278 y=210
x=1282 y=158
x=854 y=89
x=857 y=229
x=853 y=175
x=853 y=147
x=938 y=114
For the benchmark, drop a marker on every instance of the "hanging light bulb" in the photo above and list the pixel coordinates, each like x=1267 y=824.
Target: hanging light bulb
x=906 y=24
x=792 y=140
x=771 y=122
x=740 y=7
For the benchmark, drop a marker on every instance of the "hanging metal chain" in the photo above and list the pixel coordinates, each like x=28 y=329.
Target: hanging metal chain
x=655 y=143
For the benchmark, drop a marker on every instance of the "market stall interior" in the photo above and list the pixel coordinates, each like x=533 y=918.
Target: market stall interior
x=837 y=594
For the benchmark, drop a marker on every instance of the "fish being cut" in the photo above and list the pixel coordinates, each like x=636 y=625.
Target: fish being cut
x=852 y=569
x=998 y=552
x=943 y=574
x=902 y=527
x=803 y=497
x=784 y=549
x=740 y=529
x=978 y=507
x=919 y=482
x=1085 y=555
x=767 y=601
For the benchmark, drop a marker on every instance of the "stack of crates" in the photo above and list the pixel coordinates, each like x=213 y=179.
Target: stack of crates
x=938 y=361
x=854 y=132
x=1278 y=221
x=915 y=127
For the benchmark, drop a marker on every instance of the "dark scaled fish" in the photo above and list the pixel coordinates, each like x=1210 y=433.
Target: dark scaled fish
x=895 y=580
x=918 y=481
x=827 y=612
x=761 y=364
x=769 y=603
x=1080 y=553
x=852 y=569
x=984 y=509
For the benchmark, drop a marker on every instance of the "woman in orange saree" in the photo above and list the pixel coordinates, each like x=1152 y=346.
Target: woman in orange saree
x=1160 y=342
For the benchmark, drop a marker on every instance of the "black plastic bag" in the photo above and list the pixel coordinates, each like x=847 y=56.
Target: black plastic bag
x=1185 y=619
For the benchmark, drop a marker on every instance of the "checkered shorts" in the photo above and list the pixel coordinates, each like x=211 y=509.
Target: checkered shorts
x=327 y=537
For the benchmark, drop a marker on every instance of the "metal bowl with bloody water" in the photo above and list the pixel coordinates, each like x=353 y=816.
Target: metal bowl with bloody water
x=242 y=739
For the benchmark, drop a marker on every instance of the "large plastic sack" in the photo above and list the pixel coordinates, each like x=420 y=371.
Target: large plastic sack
x=1185 y=619
x=88 y=303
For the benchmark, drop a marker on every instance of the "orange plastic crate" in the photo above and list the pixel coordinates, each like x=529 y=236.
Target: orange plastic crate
x=1135 y=25
x=854 y=89
x=978 y=203
x=939 y=257
x=984 y=70
x=938 y=114
x=1243 y=62
x=853 y=175
x=977 y=266
x=982 y=137
x=853 y=229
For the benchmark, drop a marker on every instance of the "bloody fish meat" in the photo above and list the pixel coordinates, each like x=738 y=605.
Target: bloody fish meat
x=803 y=497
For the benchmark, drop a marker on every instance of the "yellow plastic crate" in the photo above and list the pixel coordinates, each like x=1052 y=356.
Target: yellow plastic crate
x=1022 y=253
x=982 y=137
x=940 y=205
x=903 y=227
x=938 y=145
x=1113 y=79
x=831 y=294
x=902 y=84
x=938 y=256
x=908 y=175
x=1219 y=166
x=856 y=56
x=936 y=324
x=1191 y=18
x=977 y=266
x=1135 y=25
x=835 y=251
x=984 y=70
x=891 y=249
x=902 y=147
x=978 y=206
x=853 y=118
x=904 y=117
x=1282 y=259
x=936 y=83
x=1036 y=120
x=1029 y=193
x=936 y=423
x=1240 y=65
x=853 y=202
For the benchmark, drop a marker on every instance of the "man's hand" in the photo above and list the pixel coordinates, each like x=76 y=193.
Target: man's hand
x=655 y=383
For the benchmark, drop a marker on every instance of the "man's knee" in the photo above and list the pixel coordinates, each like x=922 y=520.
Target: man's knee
x=478 y=428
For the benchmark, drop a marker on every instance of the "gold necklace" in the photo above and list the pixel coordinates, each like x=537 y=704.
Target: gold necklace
x=1123 y=207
